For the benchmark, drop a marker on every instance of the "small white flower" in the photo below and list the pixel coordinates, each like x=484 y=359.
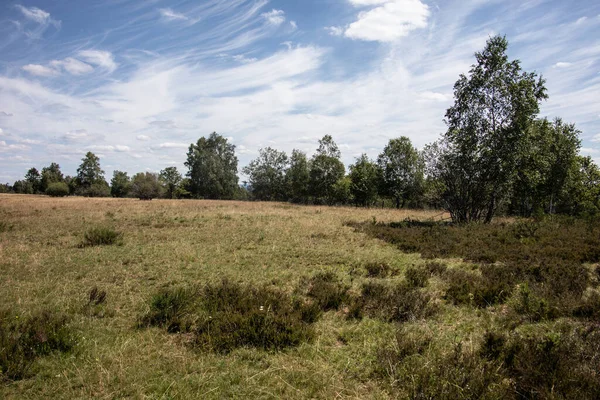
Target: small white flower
x=262 y=308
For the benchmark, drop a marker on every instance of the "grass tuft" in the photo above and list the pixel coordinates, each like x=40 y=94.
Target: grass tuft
x=101 y=236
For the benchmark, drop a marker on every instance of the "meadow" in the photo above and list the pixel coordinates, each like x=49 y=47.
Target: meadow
x=158 y=299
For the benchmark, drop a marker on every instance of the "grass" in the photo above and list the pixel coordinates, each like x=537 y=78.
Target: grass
x=374 y=318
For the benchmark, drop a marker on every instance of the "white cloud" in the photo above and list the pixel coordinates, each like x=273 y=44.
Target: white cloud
x=72 y=66
x=334 y=30
x=171 y=145
x=589 y=151
x=2 y=132
x=274 y=17
x=596 y=138
x=359 y=3
x=171 y=15
x=76 y=135
x=563 y=64
x=99 y=58
x=581 y=21
x=243 y=59
x=293 y=25
x=34 y=14
x=11 y=147
x=389 y=21
x=39 y=70
x=433 y=96
x=143 y=137
x=30 y=141
x=5 y=114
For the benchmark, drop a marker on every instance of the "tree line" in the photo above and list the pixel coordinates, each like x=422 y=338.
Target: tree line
x=497 y=156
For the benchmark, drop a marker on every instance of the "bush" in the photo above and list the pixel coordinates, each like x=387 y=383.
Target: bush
x=378 y=270
x=58 y=189
x=145 y=186
x=392 y=303
x=226 y=316
x=24 y=340
x=101 y=236
x=95 y=190
x=327 y=290
x=487 y=289
x=417 y=277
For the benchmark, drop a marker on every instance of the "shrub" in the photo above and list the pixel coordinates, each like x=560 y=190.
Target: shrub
x=24 y=340
x=436 y=268
x=95 y=306
x=145 y=186
x=417 y=277
x=58 y=189
x=101 y=236
x=327 y=290
x=226 y=316
x=95 y=190
x=378 y=270
x=479 y=290
x=392 y=303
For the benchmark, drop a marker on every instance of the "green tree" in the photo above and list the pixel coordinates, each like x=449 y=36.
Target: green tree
x=326 y=169
x=51 y=174
x=34 y=179
x=364 y=177
x=170 y=178
x=297 y=177
x=145 y=186
x=23 y=187
x=89 y=171
x=547 y=156
x=120 y=184
x=212 y=168
x=266 y=175
x=487 y=127
x=401 y=170
x=581 y=193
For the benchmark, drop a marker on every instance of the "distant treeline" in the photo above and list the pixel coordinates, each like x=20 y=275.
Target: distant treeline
x=496 y=156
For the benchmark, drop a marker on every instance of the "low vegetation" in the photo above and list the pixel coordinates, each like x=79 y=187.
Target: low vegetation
x=101 y=236
x=313 y=305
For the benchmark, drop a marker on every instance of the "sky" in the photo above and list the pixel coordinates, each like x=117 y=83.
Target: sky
x=137 y=81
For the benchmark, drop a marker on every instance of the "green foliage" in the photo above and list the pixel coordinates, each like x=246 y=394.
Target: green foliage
x=120 y=184
x=401 y=171
x=212 y=168
x=99 y=189
x=364 y=178
x=326 y=170
x=297 y=177
x=57 y=189
x=399 y=302
x=487 y=129
x=266 y=175
x=378 y=270
x=417 y=277
x=89 y=173
x=50 y=175
x=328 y=290
x=34 y=179
x=23 y=340
x=145 y=186
x=101 y=236
x=226 y=316
x=171 y=178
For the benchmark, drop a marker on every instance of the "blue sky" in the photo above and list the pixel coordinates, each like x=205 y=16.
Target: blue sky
x=137 y=81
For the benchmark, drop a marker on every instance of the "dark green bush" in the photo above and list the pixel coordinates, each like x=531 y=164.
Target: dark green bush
x=101 y=236
x=58 y=189
x=22 y=340
x=479 y=290
x=392 y=303
x=378 y=270
x=327 y=290
x=228 y=315
x=417 y=277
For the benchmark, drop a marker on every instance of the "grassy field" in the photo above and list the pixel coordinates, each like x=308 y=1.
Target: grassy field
x=356 y=351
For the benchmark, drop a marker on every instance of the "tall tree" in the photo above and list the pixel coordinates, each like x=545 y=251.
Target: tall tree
x=297 y=177
x=145 y=186
x=170 y=178
x=212 y=168
x=89 y=171
x=401 y=170
x=51 y=174
x=34 y=179
x=120 y=184
x=487 y=126
x=326 y=169
x=547 y=157
x=266 y=175
x=364 y=176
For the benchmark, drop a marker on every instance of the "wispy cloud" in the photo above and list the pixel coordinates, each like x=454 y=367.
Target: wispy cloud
x=100 y=58
x=39 y=70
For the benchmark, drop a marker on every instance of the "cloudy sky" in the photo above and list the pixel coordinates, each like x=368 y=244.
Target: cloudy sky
x=136 y=81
